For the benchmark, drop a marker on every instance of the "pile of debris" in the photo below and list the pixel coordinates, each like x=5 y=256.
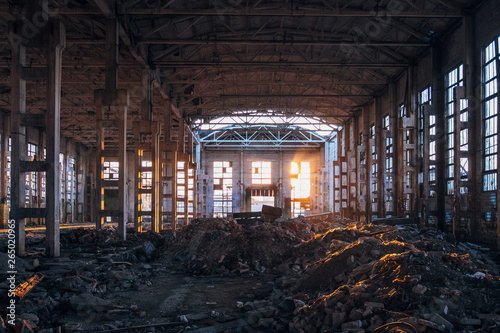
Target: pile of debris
x=109 y=237
x=379 y=275
x=282 y=276
x=79 y=294
x=224 y=247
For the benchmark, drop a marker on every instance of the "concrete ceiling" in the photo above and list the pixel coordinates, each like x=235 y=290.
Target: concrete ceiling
x=323 y=58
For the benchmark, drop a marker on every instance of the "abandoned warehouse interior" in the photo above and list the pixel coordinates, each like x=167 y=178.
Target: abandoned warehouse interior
x=299 y=129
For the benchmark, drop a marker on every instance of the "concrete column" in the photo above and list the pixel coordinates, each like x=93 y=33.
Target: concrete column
x=63 y=182
x=380 y=148
x=279 y=196
x=190 y=144
x=340 y=160
x=169 y=165
x=182 y=138
x=330 y=179
x=41 y=145
x=146 y=92
x=122 y=159
x=368 y=161
x=348 y=211
x=438 y=102
x=18 y=135
x=99 y=190
x=474 y=109
x=242 y=182
x=3 y=158
x=410 y=123
x=57 y=41
x=396 y=135
x=424 y=164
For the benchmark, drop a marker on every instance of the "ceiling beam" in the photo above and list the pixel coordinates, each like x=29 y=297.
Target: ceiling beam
x=240 y=83
x=276 y=64
x=162 y=41
x=142 y=59
x=246 y=11
x=307 y=96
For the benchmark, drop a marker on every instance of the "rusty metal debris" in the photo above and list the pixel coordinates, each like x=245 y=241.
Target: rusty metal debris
x=25 y=287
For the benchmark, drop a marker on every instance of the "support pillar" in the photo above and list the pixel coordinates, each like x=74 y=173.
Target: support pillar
x=438 y=102
x=395 y=176
x=3 y=158
x=147 y=160
x=57 y=41
x=122 y=159
x=41 y=145
x=368 y=163
x=18 y=135
x=279 y=196
x=168 y=162
x=379 y=141
x=344 y=171
x=182 y=136
x=242 y=183
x=117 y=101
x=474 y=113
x=146 y=137
x=99 y=189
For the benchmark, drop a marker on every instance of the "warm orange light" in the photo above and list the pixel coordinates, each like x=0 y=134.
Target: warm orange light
x=301 y=180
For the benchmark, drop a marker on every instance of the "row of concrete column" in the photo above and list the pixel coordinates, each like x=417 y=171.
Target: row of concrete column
x=164 y=155
x=52 y=39
x=456 y=211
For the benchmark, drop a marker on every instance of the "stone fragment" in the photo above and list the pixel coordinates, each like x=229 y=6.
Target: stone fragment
x=441 y=321
x=419 y=289
x=265 y=322
x=75 y=284
x=31 y=317
x=375 y=305
x=197 y=316
x=351 y=325
x=470 y=321
x=148 y=249
x=88 y=302
x=337 y=319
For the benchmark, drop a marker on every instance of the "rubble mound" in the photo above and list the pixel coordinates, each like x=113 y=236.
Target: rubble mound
x=108 y=237
x=348 y=263
x=220 y=246
x=404 y=279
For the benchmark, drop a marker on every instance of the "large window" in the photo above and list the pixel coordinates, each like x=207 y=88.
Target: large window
x=490 y=85
x=261 y=173
x=425 y=98
x=30 y=178
x=110 y=170
x=301 y=187
x=223 y=185
x=454 y=78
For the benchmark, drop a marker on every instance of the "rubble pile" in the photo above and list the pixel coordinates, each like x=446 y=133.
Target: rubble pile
x=217 y=275
x=81 y=295
x=224 y=247
x=397 y=277
x=109 y=237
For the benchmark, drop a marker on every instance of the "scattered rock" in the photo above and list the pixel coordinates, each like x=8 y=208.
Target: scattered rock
x=88 y=302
